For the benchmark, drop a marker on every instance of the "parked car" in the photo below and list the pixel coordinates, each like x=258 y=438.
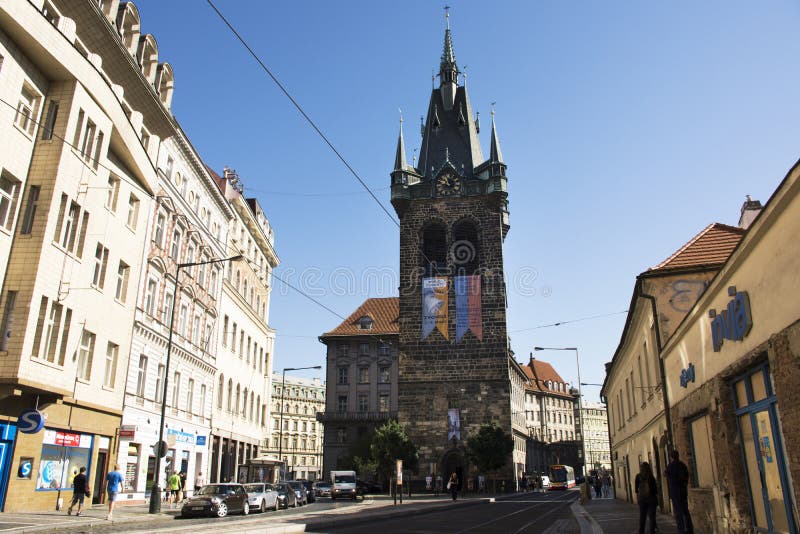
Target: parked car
x=368 y=487
x=322 y=488
x=309 y=485
x=262 y=497
x=218 y=500
x=300 y=490
x=287 y=498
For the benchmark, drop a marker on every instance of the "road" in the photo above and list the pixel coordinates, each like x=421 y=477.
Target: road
x=540 y=513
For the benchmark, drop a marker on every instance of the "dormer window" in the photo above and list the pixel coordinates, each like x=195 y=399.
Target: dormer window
x=365 y=323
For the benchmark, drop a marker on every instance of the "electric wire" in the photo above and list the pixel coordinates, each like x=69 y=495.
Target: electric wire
x=561 y=323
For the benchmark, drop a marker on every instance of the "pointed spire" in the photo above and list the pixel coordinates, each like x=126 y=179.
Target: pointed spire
x=448 y=61
x=400 y=157
x=495 y=156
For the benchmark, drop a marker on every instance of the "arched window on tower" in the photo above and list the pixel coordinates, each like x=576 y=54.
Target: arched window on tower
x=433 y=250
x=464 y=252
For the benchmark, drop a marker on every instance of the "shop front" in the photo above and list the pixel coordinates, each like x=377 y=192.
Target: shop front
x=732 y=371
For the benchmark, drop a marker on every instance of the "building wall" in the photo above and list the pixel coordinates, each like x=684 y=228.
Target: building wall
x=766 y=266
x=595 y=427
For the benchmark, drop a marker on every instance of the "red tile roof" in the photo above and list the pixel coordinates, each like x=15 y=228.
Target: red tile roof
x=712 y=246
x=385 y=312
x=539 y=373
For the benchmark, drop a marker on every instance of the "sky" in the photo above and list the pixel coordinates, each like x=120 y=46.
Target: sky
x=627 y=128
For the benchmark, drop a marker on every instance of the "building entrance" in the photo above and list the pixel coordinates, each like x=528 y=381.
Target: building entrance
x=762 y=448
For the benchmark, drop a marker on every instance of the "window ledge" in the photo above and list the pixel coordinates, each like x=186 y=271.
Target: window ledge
x=22 y=131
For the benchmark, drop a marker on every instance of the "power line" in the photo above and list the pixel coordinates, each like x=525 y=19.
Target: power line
x=560 y=323
x=302 y=112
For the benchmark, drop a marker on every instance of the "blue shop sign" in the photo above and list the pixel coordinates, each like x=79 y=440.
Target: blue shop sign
x=30 y=421
x=201 y=440
x=181 y=437
x=687 y=375
x=734 y=322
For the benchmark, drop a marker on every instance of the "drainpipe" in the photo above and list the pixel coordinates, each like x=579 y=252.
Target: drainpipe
x=652 y=299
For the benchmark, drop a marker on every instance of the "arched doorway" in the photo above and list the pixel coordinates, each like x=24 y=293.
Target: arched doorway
x=453 y=462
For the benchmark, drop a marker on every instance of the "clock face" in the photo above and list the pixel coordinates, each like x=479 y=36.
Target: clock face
x=448 y=183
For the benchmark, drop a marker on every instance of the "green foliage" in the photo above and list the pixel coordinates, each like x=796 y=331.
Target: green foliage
x=489 y=448
x=390 y=443
x=359 y=457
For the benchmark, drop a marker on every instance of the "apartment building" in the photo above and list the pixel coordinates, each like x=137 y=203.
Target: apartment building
x=245 y=344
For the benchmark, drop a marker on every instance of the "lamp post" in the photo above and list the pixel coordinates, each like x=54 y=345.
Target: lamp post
x=280 y=424
x=580 y=398
x=155 y=492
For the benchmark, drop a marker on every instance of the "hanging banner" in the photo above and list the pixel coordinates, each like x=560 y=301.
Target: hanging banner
x=453 y=424
x=468 y=306
x=434 y=305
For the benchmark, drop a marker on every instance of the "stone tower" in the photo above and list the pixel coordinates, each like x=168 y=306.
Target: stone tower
x=453 y=347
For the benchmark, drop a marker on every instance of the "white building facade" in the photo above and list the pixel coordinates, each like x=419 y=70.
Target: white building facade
x=595 y=436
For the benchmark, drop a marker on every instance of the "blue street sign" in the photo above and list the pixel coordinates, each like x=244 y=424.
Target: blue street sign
x=201 y=440
x=30 y=421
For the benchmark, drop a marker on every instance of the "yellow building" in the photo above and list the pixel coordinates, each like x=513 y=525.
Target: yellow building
x=732 y=373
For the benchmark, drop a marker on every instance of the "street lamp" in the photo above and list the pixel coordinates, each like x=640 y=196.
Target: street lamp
x=280 y=424
x=155 y=492
x=580 y=398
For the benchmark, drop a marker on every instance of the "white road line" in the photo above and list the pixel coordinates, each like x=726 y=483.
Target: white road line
x=554 y=500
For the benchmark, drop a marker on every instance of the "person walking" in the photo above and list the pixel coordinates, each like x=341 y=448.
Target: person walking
x=598 y=486
x=199 y=482
x=113 y=487
x=678 y=483
x=647 y=496
x=79 y=491
x=452 y=485
x=174 y=485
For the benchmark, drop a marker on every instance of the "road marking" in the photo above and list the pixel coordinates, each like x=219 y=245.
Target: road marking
x=559 y=499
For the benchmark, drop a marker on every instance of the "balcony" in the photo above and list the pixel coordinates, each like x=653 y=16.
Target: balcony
x=342 y=417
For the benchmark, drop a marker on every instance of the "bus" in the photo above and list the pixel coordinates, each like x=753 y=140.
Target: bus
x=562 y=477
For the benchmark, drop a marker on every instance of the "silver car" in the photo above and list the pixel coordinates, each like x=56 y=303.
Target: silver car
x=262 y=497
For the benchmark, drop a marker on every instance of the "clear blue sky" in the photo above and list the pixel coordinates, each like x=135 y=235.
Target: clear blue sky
x=627 y=128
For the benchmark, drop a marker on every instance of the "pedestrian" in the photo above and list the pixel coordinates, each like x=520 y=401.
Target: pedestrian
x=523 y=484
x=174 y=485
x=199 y=482
x=182 y=490
x=606 y=485
x=647 y=496
x=452 y=485
x=79 y=491
x=678 y=483
x=113 y=487
x=598 y=486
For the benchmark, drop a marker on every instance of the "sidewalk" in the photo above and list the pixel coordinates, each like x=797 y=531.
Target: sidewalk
x=615 y=516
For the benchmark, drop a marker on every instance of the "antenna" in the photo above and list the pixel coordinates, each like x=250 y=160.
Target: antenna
x=447 y=15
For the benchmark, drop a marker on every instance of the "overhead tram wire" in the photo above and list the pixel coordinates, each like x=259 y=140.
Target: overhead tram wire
x=560 y=323
x=302 y=112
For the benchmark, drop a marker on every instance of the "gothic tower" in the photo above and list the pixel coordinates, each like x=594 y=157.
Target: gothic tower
x=453 y=209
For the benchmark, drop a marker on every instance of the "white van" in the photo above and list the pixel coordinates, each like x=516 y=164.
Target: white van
x=545 y=482
x=343 y=484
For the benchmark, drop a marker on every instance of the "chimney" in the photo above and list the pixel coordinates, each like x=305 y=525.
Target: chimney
x=531 y=360
x=750 y=210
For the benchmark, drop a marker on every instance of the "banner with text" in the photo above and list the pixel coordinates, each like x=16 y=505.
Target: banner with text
x=468 y=306
x=453 y=424
x=434 y=305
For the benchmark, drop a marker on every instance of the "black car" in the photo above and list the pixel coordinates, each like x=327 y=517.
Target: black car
x=309 y=485
x=365 y=488
x=300 y=490
x=287 y=498
x=218 y=500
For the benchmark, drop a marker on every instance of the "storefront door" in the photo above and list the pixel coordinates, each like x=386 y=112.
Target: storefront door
x=7 y=435
x=762 y=449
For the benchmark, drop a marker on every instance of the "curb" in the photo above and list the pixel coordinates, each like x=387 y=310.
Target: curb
x=587 y=523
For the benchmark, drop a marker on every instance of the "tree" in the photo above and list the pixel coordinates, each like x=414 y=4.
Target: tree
x=391 y=443
x=489 y=448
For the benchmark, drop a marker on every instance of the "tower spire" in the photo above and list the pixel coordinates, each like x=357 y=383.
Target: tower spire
x=495 y=156
x=400 y=158
x=448 y=69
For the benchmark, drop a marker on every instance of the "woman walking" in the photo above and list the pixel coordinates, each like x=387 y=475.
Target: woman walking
x=452 y=485
x=647 y=495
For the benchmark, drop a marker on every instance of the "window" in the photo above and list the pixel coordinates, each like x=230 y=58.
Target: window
x=363 y=375
x=341 y=404
x=233 y=338
x=88 y=140
x=100 y=264
x=160 y=383
x=9 y=193
x=342 y=375
x=110 y=374
x=212 y=284
x=176 y=389
x=384 y=349
x=343 y=350
x=30 y=208
x=150 y=297
x=168 y=302
x=158 y=234
x=50 y=121
x=383 y=374
x=113 y=193
x=202 y=410
x=196 y=330
x=190 y=396
x=363 y=402
x=54 y=323
x=364 y=348
x=365 y=323
x=133 y=212
x=27 y=109
x=8 y=320
x=168 y=170
x=341 y=435
x=182 y=318
x=141 y=376
x=220 y=391
x=85 y=355
x=123 y=273
x=190 y=258
x=67 y=225
x=175 y=251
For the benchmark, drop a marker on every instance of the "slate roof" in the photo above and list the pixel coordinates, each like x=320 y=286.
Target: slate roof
x=385 y=312
x=712 y=246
